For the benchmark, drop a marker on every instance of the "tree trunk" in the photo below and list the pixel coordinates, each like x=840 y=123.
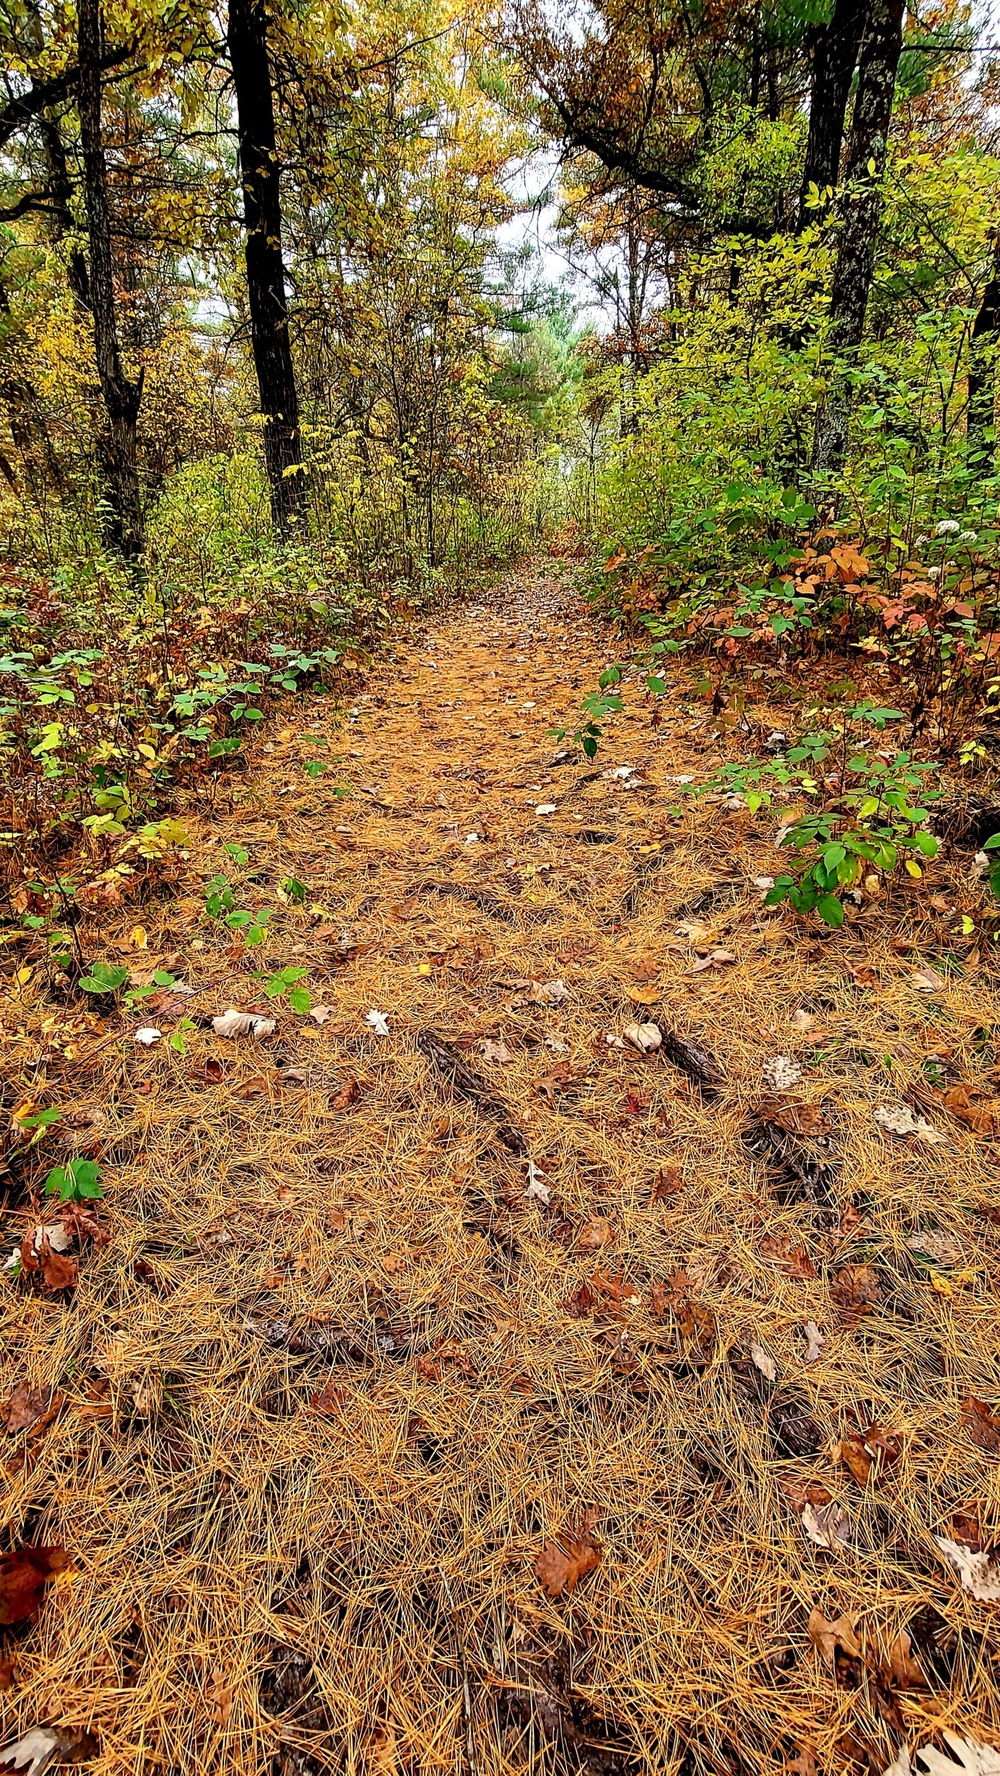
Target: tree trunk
x=834 y=58
x=272 y=351
x=860 y=211
x=122 y=397
x=981 y=410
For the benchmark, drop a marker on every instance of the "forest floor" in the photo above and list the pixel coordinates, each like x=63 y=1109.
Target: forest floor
x=489 y=1395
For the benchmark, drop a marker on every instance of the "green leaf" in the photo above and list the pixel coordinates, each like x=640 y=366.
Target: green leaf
x=300 y=998
x=42 y=1120
x=103 y=978
x=830 y=909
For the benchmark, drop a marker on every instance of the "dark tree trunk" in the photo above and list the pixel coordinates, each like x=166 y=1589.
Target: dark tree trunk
x=272 y=351
x=122 y=397
x=834 y=59
x=860 y=212
x=981 y=411
x=60 y=188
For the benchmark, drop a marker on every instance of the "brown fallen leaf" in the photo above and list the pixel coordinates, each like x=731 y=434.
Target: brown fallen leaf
x=563 y=1563
x=664 y=1297
x=882 y=1692
x=925 y=980
x=24 y=1574
x=328 y=1400
x=904 y=1670
x=596 y=1233
x=794 y=1116
x=827 y=1636
x=696 y=1326
x=560 y=1079
x=714 y=959
x=982 y=1425
x=59 y=1271
x=829 y=1526
x=28 y=1407
x=348 y=1094
x=220 y=1696
x=668 y=1180
x=257 y=1086
x=977 y=1113
x=866 y=1447
x=213 y=1070
x=793 y=1260
x=604 y=1296
x=856 y=1290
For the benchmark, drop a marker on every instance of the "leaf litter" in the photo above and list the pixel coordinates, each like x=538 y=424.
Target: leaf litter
x=601 y=1402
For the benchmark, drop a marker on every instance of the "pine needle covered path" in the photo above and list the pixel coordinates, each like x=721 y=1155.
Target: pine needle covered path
x=519 y=1390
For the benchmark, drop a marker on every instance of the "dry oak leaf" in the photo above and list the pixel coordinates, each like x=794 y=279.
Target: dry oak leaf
x=563 y=1563
x=982 y=1425
x=976 y=1567
x=560 y=1079
x=243 y=1023
x=328 y=1400
x=28 y=1407
x=349 y=1093
x=596 y=1233
x=696 y=1325
x=668 y=1180
x=34 y=1753
x=714 y=959
x=827 y=1636
x=939 y=1246
x=828 y=1526
x=220 y=1696
x=602 y=1294
x=814 y=1342
x=794 y=1116
x=903 y=1669
x=863 y=1448
x=793 y=1260
x=856 y=1290
x=975 y=1112
x=59 y=1271
x=23 y=1577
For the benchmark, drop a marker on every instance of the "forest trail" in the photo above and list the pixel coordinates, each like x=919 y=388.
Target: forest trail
x=494 y=1418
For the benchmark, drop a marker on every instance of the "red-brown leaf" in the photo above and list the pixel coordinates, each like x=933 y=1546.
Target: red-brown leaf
x=563 y=1563
x=23 y=1577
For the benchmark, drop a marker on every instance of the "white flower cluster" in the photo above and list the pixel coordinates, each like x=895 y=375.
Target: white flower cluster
x=948 y=527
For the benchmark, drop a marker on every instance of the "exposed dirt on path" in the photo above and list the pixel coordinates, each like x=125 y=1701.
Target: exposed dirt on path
x=489 y=1395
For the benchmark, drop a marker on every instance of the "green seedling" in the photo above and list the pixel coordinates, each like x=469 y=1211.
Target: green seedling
x=76 y=1181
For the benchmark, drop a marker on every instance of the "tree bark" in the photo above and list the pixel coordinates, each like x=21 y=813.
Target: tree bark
x=268 y=303
x=860 y=210
x=122 y=397
x=983 y=345
x=835 y=57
